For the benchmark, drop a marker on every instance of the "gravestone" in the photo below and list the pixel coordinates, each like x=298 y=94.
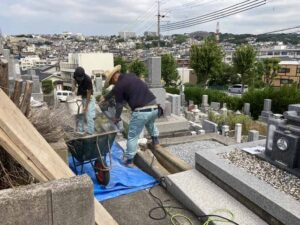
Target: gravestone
x=225 y=130
x=154 y=80
x=283 y=140
x=175 y=102
x=204 y=105
x=209 y=127
x=266 y=113
x=168 y=108
x=215 y=106
x=238 y=133
x=98 y=85
x=182 y=95
x=224 y=110
x=246 y=109
x=253 y=135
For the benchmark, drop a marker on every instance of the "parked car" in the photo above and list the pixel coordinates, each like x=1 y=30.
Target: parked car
x=237 y=88
x=63 y=95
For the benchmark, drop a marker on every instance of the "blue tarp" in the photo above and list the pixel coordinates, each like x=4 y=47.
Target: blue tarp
x=123 y=180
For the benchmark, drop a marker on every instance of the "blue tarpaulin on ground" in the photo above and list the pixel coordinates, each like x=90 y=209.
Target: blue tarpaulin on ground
x=123 y=180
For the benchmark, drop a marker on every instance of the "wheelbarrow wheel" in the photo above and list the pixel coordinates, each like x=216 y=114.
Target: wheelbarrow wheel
x=102 y=174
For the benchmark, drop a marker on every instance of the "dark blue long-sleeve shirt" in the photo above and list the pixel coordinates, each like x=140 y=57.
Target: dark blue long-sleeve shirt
x=129 y=88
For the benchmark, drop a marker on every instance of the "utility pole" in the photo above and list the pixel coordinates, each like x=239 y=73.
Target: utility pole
x=158 y=21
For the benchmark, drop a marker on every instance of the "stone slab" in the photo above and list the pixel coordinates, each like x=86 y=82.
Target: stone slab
x=202 y=196
x=66 y=201
x=270 y=203
x=209 y=127
x=160 y=94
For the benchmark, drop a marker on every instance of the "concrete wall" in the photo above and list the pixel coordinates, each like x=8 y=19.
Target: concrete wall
x=65 y=202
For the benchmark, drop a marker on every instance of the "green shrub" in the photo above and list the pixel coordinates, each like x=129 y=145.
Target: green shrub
x=231 y=120
x=281 y=98
x=47 y=86
x=172 y=90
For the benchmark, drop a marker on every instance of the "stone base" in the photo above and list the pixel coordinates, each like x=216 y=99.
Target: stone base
x=272 y=205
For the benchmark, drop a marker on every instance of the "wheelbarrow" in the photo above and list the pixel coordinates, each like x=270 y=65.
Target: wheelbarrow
x=94 y=149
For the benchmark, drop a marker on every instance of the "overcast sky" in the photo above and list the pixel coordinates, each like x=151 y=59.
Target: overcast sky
x=106 y=17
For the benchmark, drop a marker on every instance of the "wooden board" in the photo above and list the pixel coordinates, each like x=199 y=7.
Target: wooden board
x=34 y=153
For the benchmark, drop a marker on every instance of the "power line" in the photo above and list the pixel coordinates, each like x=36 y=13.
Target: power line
x=212 y=16
x=229 y=8
x=285 y=29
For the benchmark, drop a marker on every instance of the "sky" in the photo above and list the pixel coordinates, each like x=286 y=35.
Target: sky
x=108 y=17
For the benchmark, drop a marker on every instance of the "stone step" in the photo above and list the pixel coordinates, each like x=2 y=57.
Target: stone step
x=273 y=205
x=202 y=196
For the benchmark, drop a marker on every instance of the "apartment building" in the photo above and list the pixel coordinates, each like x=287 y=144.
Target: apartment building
x=289 y=73
x=33 y=61
x=93 y=64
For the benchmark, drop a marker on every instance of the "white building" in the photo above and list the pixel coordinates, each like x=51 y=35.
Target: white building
x=187 y=75
x=33 y=61
x=93 y=63
x=126 y=34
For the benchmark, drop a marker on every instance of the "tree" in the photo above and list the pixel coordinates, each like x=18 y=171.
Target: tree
x=138 y=67
x=206 y=59
x=168 y=70
x=244 y=62
x=118 y=60
x=225 y=76
x=271 y=67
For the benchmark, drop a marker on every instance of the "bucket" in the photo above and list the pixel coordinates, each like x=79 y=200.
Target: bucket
x=75 y=106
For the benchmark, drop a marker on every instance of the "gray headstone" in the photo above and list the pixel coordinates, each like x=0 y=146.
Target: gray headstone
x=98 y=84
x=215 y=106
x=253 y=135
x=266 y=113
x=154 y=72
x=204 y=105
x=209 y=127
x=160 y=94
x=175 y=102
x=246 y=109
x=267 y=105
x=168 y=108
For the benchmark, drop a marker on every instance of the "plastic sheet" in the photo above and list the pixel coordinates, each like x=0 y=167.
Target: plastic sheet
x=123 y=180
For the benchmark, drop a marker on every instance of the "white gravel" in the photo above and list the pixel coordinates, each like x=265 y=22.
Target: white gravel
x=187 y=151
x=265 y=171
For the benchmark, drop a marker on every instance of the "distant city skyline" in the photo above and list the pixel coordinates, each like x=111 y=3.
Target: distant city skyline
x=94 y=17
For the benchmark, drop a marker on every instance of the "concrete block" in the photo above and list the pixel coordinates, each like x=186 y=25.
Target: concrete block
x=209 y=127
x=67 y=201
x=268 y=202
x=61 y=149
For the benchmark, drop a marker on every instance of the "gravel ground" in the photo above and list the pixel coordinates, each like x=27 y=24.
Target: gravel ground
x=187 y=151
x=265 y=171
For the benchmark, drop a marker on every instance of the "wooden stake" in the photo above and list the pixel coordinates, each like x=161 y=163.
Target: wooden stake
x=4 y=76
x=15 y=97
x=25 y=104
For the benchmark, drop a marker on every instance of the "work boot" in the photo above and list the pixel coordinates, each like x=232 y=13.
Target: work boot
x=128 y=162
x=155 y=143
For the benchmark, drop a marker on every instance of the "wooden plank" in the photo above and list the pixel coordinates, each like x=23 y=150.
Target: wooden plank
x=20 y=157
x=4 y=76
x=28 y=140
x=15 y=97
x=25 y=103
